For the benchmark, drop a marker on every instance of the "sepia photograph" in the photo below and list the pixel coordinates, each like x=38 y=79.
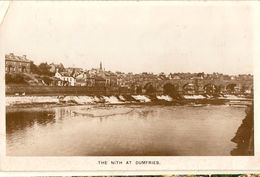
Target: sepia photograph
x=127 y=79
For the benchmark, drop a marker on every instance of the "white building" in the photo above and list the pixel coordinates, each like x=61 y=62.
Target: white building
x=66 y=80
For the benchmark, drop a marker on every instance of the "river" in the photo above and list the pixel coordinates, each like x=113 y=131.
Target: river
x=122 y=130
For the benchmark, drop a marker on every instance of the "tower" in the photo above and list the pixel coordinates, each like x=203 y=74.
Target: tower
x=100 y=66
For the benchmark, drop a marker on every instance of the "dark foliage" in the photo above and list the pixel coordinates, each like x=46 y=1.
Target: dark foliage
x=47 y=80
x=44 y=69
x=14 y=78
x=138 y=90
x=231 y=88
x=34 y=68
x=171 y=90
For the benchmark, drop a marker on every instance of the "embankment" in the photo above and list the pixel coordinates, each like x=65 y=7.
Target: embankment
x=245 y=135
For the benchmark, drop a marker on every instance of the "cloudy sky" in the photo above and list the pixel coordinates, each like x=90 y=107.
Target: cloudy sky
x=133 y=36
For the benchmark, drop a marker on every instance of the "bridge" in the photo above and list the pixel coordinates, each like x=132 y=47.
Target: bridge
x=193 y=86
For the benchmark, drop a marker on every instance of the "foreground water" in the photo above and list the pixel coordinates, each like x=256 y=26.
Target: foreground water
x=122 y=130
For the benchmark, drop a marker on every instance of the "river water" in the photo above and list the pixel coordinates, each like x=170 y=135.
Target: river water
x=122 y=130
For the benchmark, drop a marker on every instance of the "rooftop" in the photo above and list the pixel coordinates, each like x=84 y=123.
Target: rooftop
x=12 y=57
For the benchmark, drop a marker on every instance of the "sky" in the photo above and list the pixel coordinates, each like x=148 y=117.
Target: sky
x=132 y=36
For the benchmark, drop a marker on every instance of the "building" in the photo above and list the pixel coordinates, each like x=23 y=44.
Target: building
x=98 y=77
x=65 y=80
x=81 y=79
x=100 y=81
x=111 y=79
x=17 y=64
x=54 y=67
x=72 y=71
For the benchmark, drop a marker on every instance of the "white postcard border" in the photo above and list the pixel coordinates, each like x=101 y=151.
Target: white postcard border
x=176 y=164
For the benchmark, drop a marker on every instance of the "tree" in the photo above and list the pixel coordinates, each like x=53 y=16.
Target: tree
x=44 y=69
x=34 y=68
x=60 y=67
x=47 y=80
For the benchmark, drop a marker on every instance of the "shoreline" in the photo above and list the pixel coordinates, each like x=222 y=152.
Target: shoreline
x=244 y=137
x=166 y=100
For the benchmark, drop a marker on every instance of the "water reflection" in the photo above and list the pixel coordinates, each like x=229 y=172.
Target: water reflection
x=123 y=130
x=20 y=120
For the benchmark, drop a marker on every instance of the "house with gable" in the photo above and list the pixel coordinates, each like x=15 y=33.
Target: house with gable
x=65 y=79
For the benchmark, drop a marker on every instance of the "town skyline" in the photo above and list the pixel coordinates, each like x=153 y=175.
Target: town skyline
x=21 y=70
x=100 y=63
x=206 y=39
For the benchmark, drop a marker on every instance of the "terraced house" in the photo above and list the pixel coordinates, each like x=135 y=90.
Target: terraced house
x=17 y=64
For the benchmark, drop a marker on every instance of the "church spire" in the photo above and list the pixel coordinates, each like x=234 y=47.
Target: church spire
x=100 y=66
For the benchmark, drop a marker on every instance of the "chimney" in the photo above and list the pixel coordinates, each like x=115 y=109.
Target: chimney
x=24 y=57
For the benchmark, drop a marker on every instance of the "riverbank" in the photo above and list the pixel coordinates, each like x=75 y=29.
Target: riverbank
x=245 y=135
x=193 y=100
